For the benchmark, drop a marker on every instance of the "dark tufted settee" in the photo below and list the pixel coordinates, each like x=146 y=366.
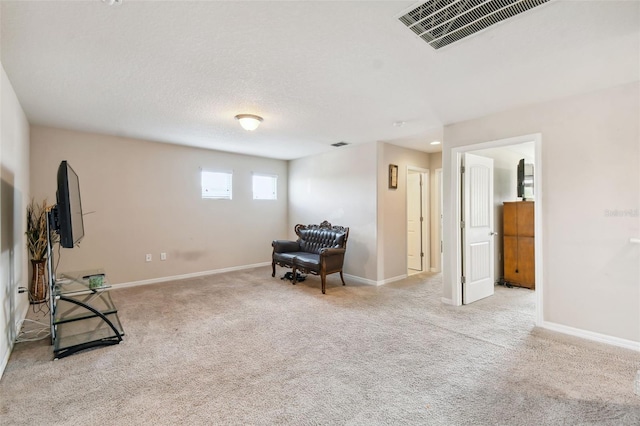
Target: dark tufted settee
x=319 y=250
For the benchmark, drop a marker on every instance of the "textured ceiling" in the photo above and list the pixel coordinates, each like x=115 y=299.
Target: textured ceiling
x=318 y=72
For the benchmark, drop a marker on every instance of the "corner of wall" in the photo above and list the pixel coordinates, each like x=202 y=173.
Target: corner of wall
x=14 y=196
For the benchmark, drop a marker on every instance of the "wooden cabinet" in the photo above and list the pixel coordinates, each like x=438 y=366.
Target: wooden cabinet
x=519 y=244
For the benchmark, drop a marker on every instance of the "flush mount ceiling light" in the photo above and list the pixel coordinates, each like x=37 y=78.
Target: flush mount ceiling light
x=435 y=143
x=249 y=122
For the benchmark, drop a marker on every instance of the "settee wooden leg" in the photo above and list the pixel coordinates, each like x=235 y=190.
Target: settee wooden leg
x=323 y=278
x=342 y=278
x=273 y=267
x=295 y=275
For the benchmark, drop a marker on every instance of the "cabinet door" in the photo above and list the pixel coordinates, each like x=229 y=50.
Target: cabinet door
x=509 y=219
x=511 y=259
x=519 y=261
x=526 y=262
x=526 y=219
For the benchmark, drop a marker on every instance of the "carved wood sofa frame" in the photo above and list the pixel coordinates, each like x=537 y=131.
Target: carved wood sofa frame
x=319 y=250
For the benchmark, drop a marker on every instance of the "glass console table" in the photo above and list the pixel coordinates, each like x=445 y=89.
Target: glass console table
x=83 y=315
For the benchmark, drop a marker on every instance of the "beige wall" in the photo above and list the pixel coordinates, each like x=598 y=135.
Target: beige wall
x=339 y=186
x=590 y=166
x=14 y=197
x=392 y=208
x=144 y=197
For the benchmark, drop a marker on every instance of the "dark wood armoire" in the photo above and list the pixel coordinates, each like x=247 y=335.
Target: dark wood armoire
x=519 y=244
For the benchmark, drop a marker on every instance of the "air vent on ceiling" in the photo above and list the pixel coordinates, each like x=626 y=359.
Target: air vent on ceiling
x=339 y=144
x=442 y=22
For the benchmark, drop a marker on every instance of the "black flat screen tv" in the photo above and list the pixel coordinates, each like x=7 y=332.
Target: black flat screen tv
x=71 y=226
x=525 y=180
x=521 y=178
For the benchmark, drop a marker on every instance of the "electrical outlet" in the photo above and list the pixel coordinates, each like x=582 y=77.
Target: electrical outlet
x=148 y=258
x=163 y=256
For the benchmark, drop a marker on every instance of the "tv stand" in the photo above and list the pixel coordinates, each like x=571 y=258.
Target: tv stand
x=83 y=315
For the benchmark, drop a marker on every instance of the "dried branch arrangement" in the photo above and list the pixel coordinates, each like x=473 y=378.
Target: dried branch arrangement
x=37 y=230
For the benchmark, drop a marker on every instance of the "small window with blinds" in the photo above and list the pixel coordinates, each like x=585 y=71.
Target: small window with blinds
x=265 y=187
x=217 y=185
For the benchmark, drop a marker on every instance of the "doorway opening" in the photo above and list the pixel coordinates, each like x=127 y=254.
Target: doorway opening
x=418 y=241
x=506 y=154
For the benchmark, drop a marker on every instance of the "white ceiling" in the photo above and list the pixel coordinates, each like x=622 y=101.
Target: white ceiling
x=319 y=72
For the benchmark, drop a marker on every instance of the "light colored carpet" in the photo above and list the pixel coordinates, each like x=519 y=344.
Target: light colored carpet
x=245 y=348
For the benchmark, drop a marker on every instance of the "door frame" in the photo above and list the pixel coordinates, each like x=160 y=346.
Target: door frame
x=456 y=161
x=439 y=228
x=426 y=237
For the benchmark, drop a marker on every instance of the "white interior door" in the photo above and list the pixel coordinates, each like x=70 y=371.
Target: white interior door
x=414 y=223
x=478 y=231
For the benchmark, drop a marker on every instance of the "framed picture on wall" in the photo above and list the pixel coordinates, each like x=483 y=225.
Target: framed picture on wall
x=393 y=176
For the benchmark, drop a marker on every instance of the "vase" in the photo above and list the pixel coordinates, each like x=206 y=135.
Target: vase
x=38 y=285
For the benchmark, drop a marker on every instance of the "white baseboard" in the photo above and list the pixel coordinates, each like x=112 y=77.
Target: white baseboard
x=5 y=357
x=393 y=279
x=447 y=301
x=373 y=282
x=239 y=268
x=360 y=280
x=590 y=335
x=186 y=276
